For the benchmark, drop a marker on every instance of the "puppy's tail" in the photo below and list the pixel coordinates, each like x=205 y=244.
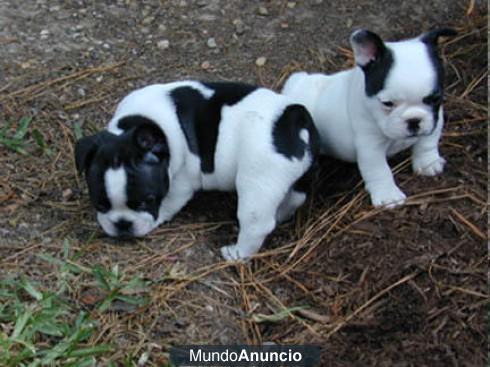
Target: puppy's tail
x=292 y=83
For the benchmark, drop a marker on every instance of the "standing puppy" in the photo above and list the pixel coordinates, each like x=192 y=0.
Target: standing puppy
x=391 y=101
x=167 y=141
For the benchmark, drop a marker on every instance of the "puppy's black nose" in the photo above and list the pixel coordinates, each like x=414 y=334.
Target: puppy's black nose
x=123 y=226
x=413 y=125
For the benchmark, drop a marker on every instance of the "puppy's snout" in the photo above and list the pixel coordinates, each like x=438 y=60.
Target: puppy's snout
x=413 y=125
x=123 y=227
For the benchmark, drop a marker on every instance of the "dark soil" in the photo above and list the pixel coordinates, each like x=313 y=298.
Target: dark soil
x=406 y=287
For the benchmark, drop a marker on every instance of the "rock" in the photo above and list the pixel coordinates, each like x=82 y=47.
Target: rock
x=261 y=61
x=148 y=20
x=212 y=43
x=205 y=65
x=44 y=34
x=239 y=26
x=67 y=194
x=163 y=44
x=262 y=10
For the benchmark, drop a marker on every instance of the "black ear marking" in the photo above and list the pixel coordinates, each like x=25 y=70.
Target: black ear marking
x=86 y=147
x=149 y=138
x=367 y=46
x=432 y=37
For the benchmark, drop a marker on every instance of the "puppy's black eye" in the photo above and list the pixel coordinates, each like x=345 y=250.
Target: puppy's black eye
x=148 y=203
x=433 y=100
x=102 y=207
x=388 y=104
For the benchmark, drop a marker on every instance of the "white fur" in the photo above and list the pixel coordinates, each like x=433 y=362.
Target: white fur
x=357 y=128
x=115 y=181
x=245 y=160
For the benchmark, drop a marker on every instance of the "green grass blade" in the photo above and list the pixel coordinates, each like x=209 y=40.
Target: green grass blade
x=29 y=288
x=21 y=323
x=22 y=128
x=90 y=351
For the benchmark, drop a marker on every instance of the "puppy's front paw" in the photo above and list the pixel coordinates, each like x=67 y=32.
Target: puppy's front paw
x=425 y=168
x=233 y=253
x=388 y=197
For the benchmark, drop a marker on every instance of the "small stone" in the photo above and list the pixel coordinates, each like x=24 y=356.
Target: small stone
x=81 y=92
x=209 y=308
x=263 y=11
x=205 y=65
x=212 y=43
x=99 y=78
x=261 y=61
x=44 y=33
x=106 y=46
x=163 y=44
x=349 y=23
x=284 y=25
x=67 y=194
x=148 y=20
x=54 y=8
x=239 y=26
x=291 y=4
x=162 y=27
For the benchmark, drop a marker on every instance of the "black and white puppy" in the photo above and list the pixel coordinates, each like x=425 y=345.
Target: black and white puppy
x=391 y=101
x=167 y=141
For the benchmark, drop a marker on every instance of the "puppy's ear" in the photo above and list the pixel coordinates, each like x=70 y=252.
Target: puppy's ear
x=367 y=46
x=151 y=140
x=85 y=149
x=432 y=37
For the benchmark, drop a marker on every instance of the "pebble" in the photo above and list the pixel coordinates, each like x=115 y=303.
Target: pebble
x=261 y=61
x=44 y=34
x=106 y=46
x=81 y=92
x=239 y=26
x=67 y=194
x=163 y=44
x=212 y=43
x=205 y=65
x=263 y=11
x=209 y=308
x=148 y=20
x=291 y=4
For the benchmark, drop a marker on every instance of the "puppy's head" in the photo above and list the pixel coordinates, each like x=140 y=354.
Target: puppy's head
x=127 y=175
x=403 y=81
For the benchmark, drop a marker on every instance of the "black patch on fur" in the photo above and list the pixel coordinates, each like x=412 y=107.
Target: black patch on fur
x=287 y=128
x=377 y=70
x=200 y=117
x=287 y=141
x=430 y=39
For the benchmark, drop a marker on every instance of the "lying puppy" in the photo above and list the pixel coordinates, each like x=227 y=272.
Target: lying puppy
x=391 y=101
x=167 y=141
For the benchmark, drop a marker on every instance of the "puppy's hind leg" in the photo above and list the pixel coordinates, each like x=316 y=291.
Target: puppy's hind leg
x=257 y=208
x=292 y=201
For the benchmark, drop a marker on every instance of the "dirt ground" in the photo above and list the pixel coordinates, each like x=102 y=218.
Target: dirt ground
x=406 y=287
